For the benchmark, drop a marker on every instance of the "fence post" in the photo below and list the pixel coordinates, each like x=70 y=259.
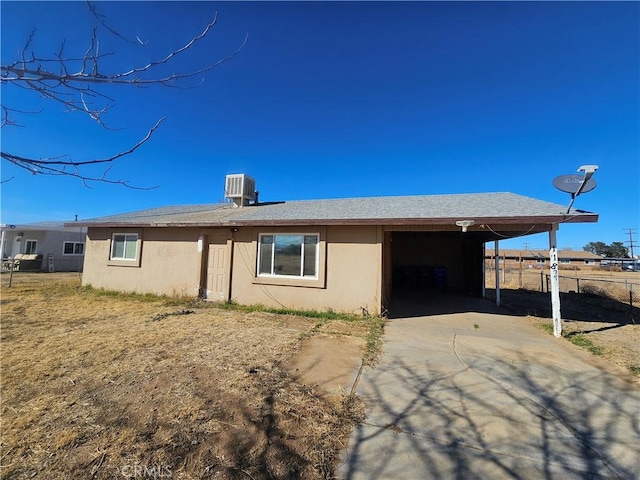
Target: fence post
x=577 y=285
x=631 y=302
x=542 y=281
x=11 y=266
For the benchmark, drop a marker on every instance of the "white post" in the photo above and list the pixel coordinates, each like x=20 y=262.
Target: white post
x=555 y=282
x=484 y=270
x=497 y=265
x=2 y=240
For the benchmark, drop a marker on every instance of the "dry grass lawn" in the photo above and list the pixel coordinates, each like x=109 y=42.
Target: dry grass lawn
x=113 y=386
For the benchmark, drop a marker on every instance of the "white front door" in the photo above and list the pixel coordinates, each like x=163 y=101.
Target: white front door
x=17 y=243
x=218 y=272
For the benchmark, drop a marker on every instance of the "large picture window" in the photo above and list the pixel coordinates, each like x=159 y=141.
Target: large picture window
x=124 y=246
x=288 y=255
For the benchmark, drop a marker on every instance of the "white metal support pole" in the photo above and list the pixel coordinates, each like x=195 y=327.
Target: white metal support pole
x=2 y=240
x=484 y=270
x=497 y=265
x=555 y=282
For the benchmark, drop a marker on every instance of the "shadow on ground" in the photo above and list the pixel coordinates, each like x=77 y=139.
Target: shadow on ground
x=575 y=306
x=460 y=402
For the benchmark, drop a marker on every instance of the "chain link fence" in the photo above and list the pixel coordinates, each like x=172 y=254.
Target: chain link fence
x=621 y=287
x=61 y=264
x=10 y=278
x=621 y=290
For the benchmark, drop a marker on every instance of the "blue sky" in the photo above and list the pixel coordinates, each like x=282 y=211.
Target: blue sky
x=345 y=99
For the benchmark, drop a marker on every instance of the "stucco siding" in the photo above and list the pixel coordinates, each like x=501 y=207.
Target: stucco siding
x=351 y=276
x=169 y=264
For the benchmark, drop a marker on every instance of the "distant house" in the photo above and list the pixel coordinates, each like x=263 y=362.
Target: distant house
x=626 y=264
x=567 y=259
x=344 y=254
x=44 y=246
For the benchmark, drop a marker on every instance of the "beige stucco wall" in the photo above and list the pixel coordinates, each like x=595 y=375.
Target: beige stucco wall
x=350 y=265
x=352 y=276
x=169 y=262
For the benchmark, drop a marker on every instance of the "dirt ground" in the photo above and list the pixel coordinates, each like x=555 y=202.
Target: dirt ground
x=604 y=322
x=327 y=363
x=98 y=385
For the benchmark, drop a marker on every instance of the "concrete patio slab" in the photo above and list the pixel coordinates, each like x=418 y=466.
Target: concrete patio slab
x=471 y=392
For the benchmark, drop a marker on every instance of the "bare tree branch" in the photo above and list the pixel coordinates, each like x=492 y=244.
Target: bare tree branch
x=5 y=115
x=61 y=165
x=74 y=83
x=100 y=18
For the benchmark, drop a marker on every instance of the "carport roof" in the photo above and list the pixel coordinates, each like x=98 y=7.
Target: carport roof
x=503 y=208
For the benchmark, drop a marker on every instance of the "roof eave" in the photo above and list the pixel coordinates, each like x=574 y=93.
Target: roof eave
x=546 y=220
x=150 y=224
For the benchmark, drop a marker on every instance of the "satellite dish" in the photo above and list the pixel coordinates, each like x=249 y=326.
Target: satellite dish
x=576 y=184
x=571 y=183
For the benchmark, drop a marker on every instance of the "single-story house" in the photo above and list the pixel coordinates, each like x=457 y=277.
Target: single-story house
x=623 y=263
x=347 y=254
x=43 y=246
x=535 y=258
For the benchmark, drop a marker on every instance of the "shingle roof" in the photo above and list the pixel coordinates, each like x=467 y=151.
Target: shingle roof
x=176 y=214
x=419 y=209
x=39 y=226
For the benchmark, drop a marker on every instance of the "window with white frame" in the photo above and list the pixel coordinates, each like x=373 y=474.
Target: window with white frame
x=288 y=255
x=589 y=262
x=124 y=246
x=31 y=246
x=73 y=248
x=565 y=261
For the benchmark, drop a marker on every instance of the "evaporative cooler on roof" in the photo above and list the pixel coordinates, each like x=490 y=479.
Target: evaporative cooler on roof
x=240 y=188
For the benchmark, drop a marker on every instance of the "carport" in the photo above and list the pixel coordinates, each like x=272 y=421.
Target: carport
x=436 y=261
x=420 y=262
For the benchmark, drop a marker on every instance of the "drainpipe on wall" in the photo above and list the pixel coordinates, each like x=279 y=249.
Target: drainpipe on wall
x=202 y=283
x=232 y=242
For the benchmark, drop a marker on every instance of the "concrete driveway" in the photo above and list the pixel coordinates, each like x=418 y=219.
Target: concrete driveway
x=466 y=391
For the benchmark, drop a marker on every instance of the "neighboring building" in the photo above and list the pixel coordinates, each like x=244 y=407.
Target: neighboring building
x=567 y=259
x=44 y=246
x=624 y=264
x=342 y=254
